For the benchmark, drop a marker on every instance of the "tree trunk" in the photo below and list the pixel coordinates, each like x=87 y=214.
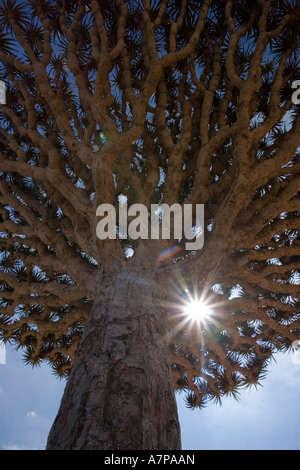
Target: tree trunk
x=120 y=393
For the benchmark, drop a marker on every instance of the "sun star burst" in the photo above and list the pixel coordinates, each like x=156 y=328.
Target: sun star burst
x=197 y=310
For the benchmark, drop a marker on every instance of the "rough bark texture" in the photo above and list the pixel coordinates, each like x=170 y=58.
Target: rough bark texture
x=120 y=391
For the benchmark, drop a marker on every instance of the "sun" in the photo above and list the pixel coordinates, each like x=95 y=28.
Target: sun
x=197 y=310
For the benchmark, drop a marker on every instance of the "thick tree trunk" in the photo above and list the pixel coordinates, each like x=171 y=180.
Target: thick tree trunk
x=120 y=391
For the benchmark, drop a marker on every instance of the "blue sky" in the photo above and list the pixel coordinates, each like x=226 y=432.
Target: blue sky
x=267 y=418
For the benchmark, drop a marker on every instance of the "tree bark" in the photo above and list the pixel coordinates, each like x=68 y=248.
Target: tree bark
x=120 y=393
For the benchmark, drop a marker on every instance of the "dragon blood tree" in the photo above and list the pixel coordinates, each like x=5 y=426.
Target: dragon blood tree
x=149 y=102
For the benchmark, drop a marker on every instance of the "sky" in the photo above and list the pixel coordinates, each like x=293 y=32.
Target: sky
x=263 y=419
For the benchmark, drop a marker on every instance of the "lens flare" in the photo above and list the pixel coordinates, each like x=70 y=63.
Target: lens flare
x=169 y=253
x=102 y=138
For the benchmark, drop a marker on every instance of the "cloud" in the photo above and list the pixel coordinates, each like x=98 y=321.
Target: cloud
x=11 y=446
x=265 y=418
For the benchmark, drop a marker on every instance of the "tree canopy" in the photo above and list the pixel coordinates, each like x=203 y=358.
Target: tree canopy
x=165 y=101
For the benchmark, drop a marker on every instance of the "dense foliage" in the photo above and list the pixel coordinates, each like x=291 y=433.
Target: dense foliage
x=160 y=101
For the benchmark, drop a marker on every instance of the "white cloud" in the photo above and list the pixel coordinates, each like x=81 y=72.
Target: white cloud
x=11 y=446
x=32 y=414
